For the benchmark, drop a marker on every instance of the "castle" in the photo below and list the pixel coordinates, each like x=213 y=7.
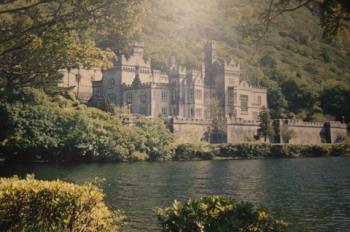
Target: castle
x=191 y=98
x=181 y=92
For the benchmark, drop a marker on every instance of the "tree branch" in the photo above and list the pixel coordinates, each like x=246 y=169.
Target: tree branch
x=16 y=10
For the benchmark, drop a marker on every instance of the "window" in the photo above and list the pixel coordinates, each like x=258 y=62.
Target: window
x=111 y=83
x=174 y=95
x=199 y=94
x=164 y=111
x=230 y=95
x=98 y=92
x=164 y=96
x=143 y=97
x=191 y=112
x=255 y=116
x=129 y=98
x=259 y=100
x=190 y=94
x=244 y=103
x=111 y=97
x=142 y=110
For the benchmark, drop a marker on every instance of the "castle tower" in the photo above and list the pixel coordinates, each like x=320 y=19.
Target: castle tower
x=209 y=59
x=138 y=49
x=209 y=53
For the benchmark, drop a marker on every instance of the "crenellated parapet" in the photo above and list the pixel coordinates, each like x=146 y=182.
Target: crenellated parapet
x=241 y=121
x=301 y=123
x=337 y=124
x=181 y=120
x=232 y=66
x=140 y=86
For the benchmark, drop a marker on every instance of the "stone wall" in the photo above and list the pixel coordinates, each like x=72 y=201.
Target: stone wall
x=309 y=132
x=241 y=130
x=303 y=132
x=337 y=130
x=80 y=81
x=189 y=130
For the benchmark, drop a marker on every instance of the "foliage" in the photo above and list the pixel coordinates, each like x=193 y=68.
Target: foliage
x=334 y=14
x=245 y=150
x=217 y=213
x=265 y=125
x=158 y=139
x=34 y=205
x=40 y=37
x=37 y=127
x=335 y=100
x=287 y=134
x=258 y=150
x=292 y=52
x=188 y=151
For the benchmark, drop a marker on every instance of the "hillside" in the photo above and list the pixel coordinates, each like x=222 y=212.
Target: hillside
x=306 y=76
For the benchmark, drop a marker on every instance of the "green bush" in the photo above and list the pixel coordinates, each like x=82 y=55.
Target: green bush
x=38 y=127
x=32 y=205
x=198 y=151
x=245 y=150
x=216 y=213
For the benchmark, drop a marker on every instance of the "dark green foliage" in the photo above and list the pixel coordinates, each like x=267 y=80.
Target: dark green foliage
x=217 y=213
x=292 y=46
x=158 y=139
x=245 y=150
x=335 y=100
x=265 y=125
x=39 y=127
x=193 y=151
x=31 y=205
x=258 y=150
x=38 y=38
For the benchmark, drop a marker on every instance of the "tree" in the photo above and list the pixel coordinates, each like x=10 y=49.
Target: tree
x=265 y=125
x=275 y=98
x=335 y=100
x=287 y=134
x=334 y=14
x=40 y=37
x=217 y=125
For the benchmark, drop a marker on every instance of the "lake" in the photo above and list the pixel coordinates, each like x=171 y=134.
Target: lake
x=311 y=194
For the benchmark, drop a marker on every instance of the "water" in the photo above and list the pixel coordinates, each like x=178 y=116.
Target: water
x=310 y=194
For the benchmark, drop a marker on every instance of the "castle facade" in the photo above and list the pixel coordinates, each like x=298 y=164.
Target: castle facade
x=192 y=98
x=215 y=88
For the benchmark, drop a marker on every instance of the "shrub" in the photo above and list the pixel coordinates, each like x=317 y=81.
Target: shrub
x=41 y=128
x=33 y=205
x=316 y=150
x=245 y=150
x=217 y=213
x=189 y=151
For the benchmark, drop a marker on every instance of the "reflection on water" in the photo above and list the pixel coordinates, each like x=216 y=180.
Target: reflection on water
x=310 y=194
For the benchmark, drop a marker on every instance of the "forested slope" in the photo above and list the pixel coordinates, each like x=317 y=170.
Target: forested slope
x=306 y=76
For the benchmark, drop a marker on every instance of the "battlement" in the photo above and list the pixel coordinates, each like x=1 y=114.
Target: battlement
x=337 y=124
x=301 y=123
x=241 y=121
x=140 y=86
x=258 y=87
x=181 y=120
x=232 y=66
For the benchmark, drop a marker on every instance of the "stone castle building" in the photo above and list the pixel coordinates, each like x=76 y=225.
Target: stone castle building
x=186 y=93
x=191 y=98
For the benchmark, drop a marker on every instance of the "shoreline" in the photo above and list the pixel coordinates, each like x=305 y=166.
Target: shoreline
x=203 y=151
